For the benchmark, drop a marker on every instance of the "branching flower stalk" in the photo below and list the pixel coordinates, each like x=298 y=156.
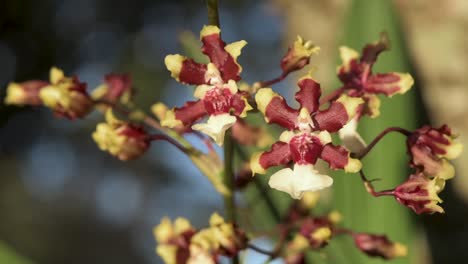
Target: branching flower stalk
x=219 y=115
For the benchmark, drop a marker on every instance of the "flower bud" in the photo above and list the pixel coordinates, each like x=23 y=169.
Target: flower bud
x=431 y=148
x=173 y=240
x=294 y=253
x=121 y=139
x=317 y=230
x=25 y=93
x=379 y=246
x=420 y=194
x=116 y=89
x=66 y=96
x=298 y=55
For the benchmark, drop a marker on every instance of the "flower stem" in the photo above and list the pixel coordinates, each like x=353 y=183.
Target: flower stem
x=273 y=81
x=376 y=140
x=261 y=188
x=229 y=181
x=213 y=13
x=370 y=188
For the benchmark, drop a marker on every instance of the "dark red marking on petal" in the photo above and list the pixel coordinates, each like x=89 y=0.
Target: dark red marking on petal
x=278 y=112
x=336 y=156
x=213 y=47
x=383 y=83
x=305 y=149
x=414 y=194
x=218 y=101
x=279 y=154
x=190 y=112
x=309 y=94
x=192 y=72
x=331 y=119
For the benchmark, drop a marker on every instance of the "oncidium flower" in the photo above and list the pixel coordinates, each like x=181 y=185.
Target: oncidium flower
x=431 y=149
x=379 y=246
x=174 y=240
x=359 y=81
x=66 y=96
x=124 y=140
x=298 y=55
x=306 y=140
x=218 y=95
x=25 y=93
x=220 y=238
x=420 y=193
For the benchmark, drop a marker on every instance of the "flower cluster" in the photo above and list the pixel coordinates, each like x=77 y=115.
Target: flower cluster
x=311 y=232
x=430 y=150
x=223 y=104
x=180 y=243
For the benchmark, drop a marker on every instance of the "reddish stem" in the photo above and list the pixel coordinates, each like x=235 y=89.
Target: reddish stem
x=273 y=81
x=376 y=140
x=168 y=139
x=370 y=188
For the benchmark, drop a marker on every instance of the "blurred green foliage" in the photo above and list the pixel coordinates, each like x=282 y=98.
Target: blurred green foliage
x=7 y=255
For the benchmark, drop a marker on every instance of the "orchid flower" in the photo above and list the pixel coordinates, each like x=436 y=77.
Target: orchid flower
x=306 y=140
x=218 y=95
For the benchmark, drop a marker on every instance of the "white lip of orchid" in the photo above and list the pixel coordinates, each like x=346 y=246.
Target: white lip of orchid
x=351 y=139
x=216 y=126
x=301 y=179
x=324 y=136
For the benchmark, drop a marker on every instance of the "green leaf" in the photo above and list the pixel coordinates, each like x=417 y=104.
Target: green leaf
x=7 y=255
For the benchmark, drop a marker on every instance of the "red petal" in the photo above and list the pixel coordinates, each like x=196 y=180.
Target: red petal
x=383 y=83
x=279 y=154
x=213 y=47
x=333 y=118
x=238 y=103
x=117 y=84
x=371 y=51
x=309 y=94
x=277 y=111
x=192 y=72
x=190 y=112
x=336 y=156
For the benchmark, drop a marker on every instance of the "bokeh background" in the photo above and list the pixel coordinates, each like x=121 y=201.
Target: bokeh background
x=64 y=201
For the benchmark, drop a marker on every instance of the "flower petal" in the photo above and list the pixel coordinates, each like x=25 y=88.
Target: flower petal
x=338 y=114
x=279 y=154
x=302 y=179
x=185 y=115
x=389 y=83
x=185 y=70
x=308 y=94
x=216 y=126
x=338 y=158
x=275 y=109
x=224 y=57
